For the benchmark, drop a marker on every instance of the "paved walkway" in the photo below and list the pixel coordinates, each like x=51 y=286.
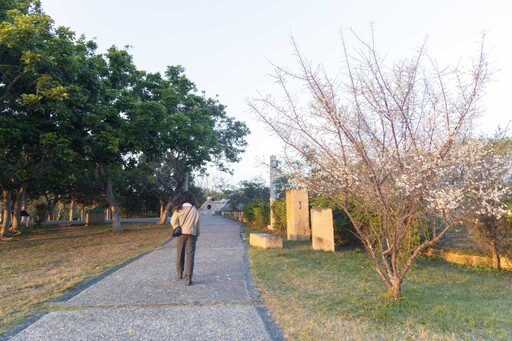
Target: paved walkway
x=143 y=300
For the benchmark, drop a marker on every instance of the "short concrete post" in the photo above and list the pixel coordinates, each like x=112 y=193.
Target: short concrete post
x=297 y=215
x=322 y=229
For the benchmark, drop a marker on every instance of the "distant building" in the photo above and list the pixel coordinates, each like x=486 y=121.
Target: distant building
x=211 y=207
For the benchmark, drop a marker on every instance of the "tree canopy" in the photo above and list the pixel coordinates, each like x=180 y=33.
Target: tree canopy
x=69 y=113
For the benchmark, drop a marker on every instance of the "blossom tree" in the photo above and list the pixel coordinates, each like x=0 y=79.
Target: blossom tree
x=389 y=144
x=489 y=217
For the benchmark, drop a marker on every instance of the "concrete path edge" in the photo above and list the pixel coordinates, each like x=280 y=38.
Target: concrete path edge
x=72 y=292
x=272 y=328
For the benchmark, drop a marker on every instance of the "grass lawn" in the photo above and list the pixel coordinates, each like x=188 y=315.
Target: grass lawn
x=43 y=263
x=316 y=295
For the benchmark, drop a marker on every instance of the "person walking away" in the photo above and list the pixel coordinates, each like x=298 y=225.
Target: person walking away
x=186 y=215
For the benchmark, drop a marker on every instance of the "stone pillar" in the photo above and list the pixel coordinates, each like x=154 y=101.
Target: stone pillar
x=322 y=229
x=297 y=215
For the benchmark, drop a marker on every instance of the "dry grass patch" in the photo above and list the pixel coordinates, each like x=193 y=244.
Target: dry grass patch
x=45 y=262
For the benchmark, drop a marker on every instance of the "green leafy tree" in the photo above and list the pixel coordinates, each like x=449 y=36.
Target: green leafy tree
x=36 y=65
x=20 y=55
x=194 y=131
x=248 y=191
x=137 y=188
x=70 y=116
x=492 y=224
x=121 y=124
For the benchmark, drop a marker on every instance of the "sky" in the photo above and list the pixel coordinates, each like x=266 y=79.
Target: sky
x=228 y=47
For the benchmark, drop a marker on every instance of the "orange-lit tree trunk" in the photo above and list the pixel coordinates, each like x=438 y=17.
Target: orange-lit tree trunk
x=6 y=204
x=16 y=217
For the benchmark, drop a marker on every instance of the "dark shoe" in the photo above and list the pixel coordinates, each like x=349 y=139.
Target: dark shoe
x=180 y=275
x=188 y=281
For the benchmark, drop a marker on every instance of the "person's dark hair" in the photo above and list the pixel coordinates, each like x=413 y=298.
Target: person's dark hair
x=186 y=196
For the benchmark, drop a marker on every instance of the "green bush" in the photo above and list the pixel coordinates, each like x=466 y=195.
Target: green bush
x=279 y=211
x=249 y=211
x=257 y=213
x=262 y=214
x=344 y=231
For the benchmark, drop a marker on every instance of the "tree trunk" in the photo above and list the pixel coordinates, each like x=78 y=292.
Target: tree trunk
x=165 y=211
x=71 y=209
x=185 y=182
x=16 y=217
x=59 y=213
x=170 y=201
x=6 y=203
x=395 y=290
x=107 y=187
x=49 y=206
x=51 y=203
x=496 y=259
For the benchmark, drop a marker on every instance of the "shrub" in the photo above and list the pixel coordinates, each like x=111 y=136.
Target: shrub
x=279 y=211
x=344 y=232
x=249 y=211
x=257 y=213
x=262 y=214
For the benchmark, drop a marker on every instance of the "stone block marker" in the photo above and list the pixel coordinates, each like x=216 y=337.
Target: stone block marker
x=297 y=215
x=322 y=229
x=265 y=240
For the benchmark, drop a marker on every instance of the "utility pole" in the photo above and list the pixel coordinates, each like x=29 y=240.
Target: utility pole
x=273 y=195
x=185 y=182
